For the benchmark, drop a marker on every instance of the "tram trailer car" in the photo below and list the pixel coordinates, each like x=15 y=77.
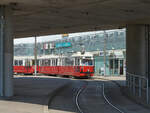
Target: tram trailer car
x=24 y=65
x=48 y=64
x=77 y=65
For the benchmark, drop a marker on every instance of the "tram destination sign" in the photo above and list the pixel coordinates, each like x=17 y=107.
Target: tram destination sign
x=63 y=44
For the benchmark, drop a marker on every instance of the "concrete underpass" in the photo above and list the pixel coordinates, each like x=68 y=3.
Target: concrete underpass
x=43 y=17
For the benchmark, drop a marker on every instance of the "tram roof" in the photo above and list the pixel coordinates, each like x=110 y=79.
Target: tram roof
x=48 y=56
x=23 y=57
x=45 y=17
x=79 y=54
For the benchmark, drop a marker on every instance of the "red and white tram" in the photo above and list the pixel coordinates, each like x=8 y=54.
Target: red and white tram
x=48 y=64
x=23 y=65
x=77 y=65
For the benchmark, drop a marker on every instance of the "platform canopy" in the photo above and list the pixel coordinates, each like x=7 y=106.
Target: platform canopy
x=43 y=17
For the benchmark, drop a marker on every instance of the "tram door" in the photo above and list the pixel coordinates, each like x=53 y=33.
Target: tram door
x=121 y=67
x=33 y=64
x=27 y=65
x=37 y=63
x=77 y=64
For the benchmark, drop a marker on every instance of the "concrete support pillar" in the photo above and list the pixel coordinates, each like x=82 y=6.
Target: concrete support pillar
x=137 y=53
x=6 y=52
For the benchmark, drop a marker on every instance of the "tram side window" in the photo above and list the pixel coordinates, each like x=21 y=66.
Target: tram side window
x=23 y=62
x=40 y=63
x=20 y=62
x=87 y=62
x=77 y=61
x=68 y=61
x=37 y=62
x=53 y=62
x=30 y=62
x=63 y=62
x=49 y=62
x=60 y=62
x=27 y=62
x=56 y=61
x=43 y=62
x=16 y=62
x=33 y=62
x=46 y=62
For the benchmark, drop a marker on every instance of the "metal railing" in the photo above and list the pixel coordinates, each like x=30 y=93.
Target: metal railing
x=137 y=84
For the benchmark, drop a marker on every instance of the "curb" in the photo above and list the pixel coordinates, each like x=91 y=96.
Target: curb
x=109 y=80
x=52 y=95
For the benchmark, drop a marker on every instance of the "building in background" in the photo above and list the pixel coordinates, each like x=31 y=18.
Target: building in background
x=115 y=45
x=93 y=42
x=115 y=63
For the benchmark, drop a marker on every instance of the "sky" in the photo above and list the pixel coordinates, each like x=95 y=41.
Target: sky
x=54 y=37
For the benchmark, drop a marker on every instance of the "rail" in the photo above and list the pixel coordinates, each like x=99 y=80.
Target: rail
x=138 y=83
x=116 y=108
x=77 y=97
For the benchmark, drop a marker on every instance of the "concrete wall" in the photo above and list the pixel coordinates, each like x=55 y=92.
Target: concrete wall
x=136 y=51
x=6 y=52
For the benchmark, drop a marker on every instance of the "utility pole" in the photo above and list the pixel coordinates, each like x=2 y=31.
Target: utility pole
x=105 y=41
x=35 y=56
x=113 y=72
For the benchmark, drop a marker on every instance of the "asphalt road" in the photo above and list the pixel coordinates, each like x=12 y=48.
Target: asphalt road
x=86 y=96
x=78 y=96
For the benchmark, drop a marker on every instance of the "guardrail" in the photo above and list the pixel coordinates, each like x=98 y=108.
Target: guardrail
x=139 y=83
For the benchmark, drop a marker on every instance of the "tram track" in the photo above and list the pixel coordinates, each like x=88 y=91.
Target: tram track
x=77 y=98
x=80 y=97
x=62 y=104
x=83 y=88
x=107 y=100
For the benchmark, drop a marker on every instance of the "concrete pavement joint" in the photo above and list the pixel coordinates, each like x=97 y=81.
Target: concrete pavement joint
x=110 y=80
x=52 y=95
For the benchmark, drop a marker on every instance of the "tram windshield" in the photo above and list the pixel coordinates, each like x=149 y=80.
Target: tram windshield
x=87 y=62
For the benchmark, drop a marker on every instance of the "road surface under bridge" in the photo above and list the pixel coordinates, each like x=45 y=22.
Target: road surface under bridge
x=43 y=17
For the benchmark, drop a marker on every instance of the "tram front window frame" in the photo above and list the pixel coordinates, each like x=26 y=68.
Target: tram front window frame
x=87 y=62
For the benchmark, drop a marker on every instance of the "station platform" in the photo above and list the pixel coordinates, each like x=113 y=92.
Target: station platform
x=31 y=94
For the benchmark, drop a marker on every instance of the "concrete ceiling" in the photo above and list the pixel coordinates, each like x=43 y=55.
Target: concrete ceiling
x=43 y=17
